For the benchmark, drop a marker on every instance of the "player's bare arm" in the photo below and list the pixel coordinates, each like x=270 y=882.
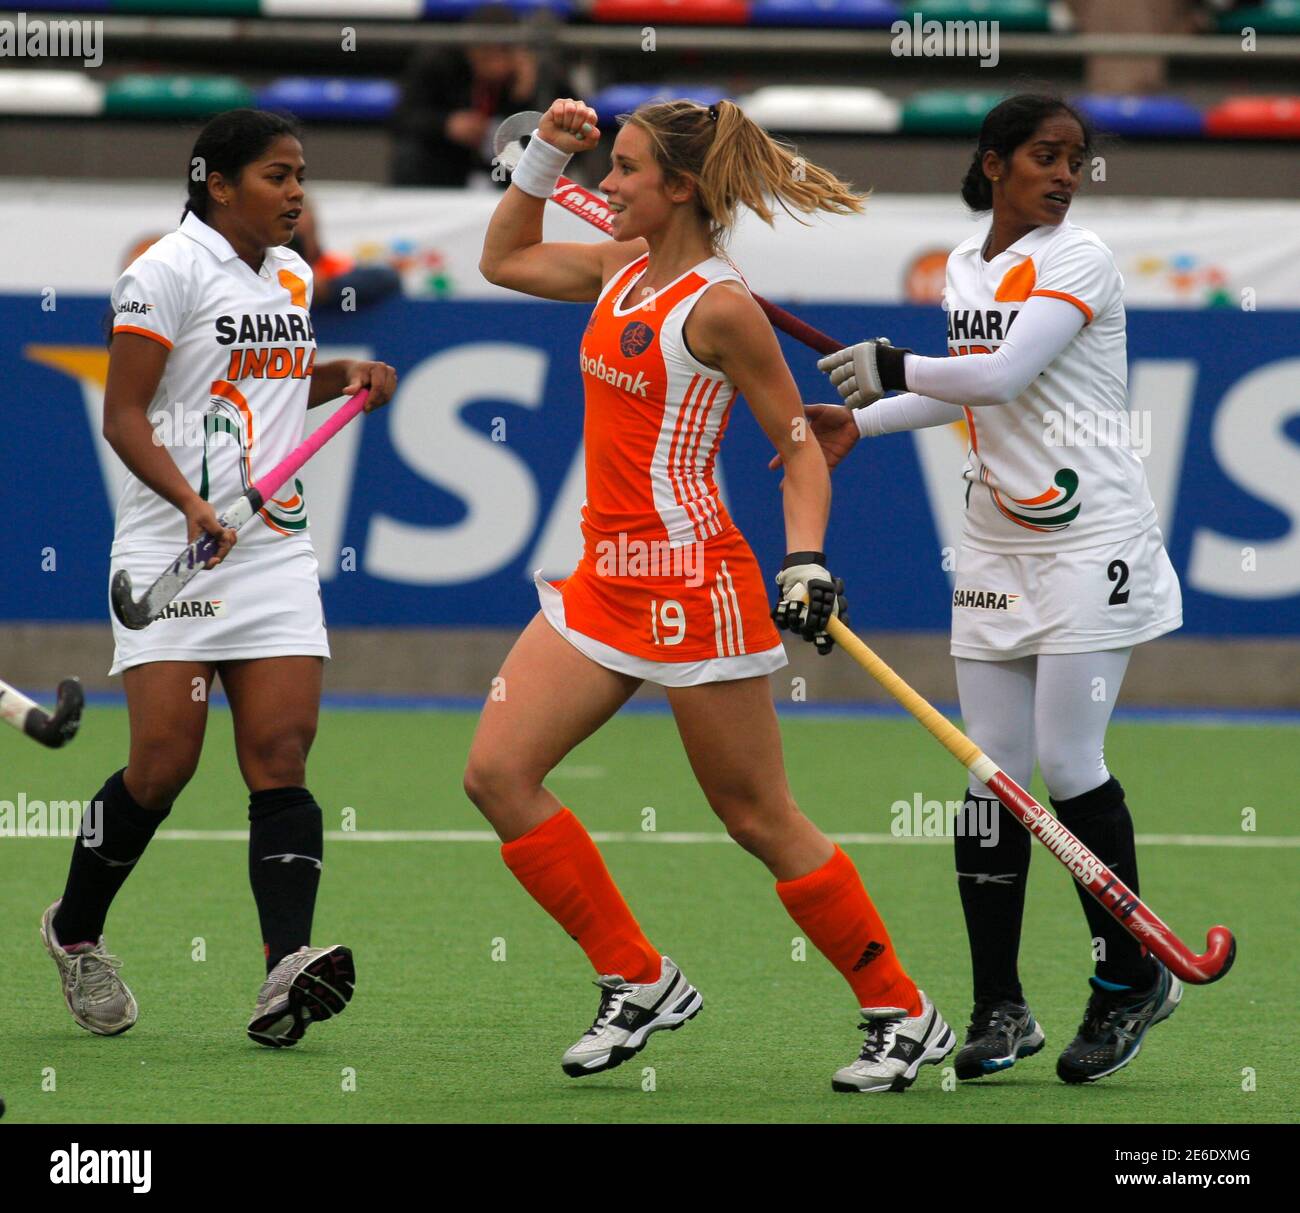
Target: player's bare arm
x=135 y=369
x=728 y=330
x=514 y=254
x=346 y=377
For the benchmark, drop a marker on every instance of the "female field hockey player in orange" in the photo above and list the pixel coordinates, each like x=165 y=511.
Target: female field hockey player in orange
x=211 y=372
x=667 y=588
x=1065 y=530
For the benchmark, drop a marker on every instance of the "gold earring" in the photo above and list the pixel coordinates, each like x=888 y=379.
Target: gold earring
x=997 y=178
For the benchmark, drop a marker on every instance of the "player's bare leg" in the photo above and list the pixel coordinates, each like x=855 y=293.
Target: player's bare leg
x=547 y=698
x=275 y=702
x=167 y=706
x=733 y=741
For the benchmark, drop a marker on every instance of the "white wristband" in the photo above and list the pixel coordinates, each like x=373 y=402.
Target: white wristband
x=539 y=168
x=868 y=426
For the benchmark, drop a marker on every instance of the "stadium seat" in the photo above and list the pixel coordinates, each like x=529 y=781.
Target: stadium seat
x=857 y=14
x=340 y=100
x=1254 y=118
x=1009 y=14
x=672 y=12
x=348 y=10
x=1152 y=117
x=174 y=96
x=789 y=108
x=624 y=98
x=68 y=6
x=948 y=112
x=457 y=10
x=1273 y=17
x=51 y=93
x=189 y=8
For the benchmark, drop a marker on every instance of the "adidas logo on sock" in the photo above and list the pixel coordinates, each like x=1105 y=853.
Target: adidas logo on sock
x=873 y=949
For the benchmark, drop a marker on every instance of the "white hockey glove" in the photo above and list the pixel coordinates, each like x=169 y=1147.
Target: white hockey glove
x=864 y=372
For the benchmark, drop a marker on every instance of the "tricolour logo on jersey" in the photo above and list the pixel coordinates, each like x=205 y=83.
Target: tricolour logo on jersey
x=636 y=338
x=1047 y=511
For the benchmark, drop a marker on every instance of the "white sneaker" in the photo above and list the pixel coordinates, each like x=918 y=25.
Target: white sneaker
x=627 y=1015
x=308 y=985
x=896 y=1047
x=95 y=994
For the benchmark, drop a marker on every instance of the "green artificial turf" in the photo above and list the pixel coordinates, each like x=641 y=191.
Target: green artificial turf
x=442 y=1028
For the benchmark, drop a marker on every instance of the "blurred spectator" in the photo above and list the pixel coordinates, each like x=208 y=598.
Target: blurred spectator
x=333 y=273
x=453 y=98
x=1131 y=73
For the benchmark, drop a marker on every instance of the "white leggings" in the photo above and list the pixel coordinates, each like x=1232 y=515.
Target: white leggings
x=1052 y=707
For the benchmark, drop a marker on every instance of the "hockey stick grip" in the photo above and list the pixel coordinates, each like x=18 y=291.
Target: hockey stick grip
x=265 y=487
x=268 y=485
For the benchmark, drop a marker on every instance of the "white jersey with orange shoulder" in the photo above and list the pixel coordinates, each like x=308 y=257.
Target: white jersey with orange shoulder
x=232 y=400
x=1054 y=468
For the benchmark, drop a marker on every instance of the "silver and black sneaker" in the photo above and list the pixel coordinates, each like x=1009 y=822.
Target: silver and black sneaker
x=895 y=1048
x=1114 y=1025
x=1000 y=1034
x=307 y=986
x=627 y=1016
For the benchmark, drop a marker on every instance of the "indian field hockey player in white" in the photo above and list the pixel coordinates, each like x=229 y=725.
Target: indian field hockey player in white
x=673 y=337
x=211 y=371
x=1062 y=568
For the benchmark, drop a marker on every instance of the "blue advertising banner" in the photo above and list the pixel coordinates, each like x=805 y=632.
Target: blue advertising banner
x=436 y=510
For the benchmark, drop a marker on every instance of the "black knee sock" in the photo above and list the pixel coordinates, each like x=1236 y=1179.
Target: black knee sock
x=991 y=881
x=114 y=833
x=285 y=842
x=1100 y=820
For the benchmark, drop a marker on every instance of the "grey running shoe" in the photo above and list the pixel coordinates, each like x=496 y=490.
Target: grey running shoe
x=308 y=985
x=896 y=1047
x=627 y=1015
x=1114 y=1025
x=1000 y=1034
x=95 y=994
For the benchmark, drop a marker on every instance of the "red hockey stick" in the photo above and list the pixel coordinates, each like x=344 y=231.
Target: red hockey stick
x=1114 y=896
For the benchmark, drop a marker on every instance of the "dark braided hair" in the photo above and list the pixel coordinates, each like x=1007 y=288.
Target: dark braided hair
x=228 y=143
x=1006 y=126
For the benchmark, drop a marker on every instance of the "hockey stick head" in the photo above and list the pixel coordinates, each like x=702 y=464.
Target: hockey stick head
x=60 y=726
x=1220 y=952
x=512 y=136
x=130 y=614
x=137 y=615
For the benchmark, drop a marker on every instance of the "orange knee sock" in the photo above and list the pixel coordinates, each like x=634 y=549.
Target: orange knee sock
x=832 y=907
x=559 y=865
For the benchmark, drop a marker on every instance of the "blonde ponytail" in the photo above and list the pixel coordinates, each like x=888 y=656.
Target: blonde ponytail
x=734 y=162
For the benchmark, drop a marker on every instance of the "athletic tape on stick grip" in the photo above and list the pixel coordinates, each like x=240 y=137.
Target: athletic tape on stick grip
x=1114 y=896
x=136 y=615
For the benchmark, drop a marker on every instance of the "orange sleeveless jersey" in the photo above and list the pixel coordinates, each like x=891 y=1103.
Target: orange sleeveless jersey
x=665 y=575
